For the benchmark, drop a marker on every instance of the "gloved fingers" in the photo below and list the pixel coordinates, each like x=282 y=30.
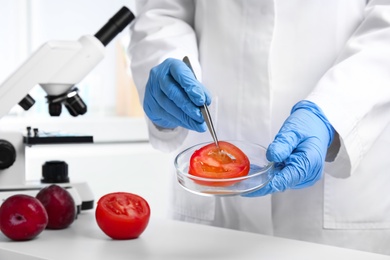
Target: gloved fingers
x=173 y=96
x=176 y=114
x=280 y=182
x=307 y=162
x=283 y=145
x=176 y=97
x=183 y=75
x=171 y=118
x=295 y=129
x=301 y=145
x=300 y=170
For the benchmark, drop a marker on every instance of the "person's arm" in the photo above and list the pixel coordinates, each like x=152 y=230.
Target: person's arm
x=355 y=93
x=344 y=115
x=163 y=29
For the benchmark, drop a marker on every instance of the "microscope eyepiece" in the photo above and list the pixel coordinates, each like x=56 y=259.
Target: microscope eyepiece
x=115 y=25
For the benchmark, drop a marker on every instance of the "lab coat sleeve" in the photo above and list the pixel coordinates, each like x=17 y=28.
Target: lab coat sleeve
x=162 y=29
x=355 y=93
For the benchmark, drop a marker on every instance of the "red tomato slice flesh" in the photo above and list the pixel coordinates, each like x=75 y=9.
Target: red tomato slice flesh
x=210 y=162
x=122 y=215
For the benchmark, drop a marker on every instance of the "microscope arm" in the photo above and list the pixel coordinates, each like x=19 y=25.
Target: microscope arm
x=56 y=66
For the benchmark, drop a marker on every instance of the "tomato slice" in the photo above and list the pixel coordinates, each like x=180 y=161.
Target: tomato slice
x=210 y=162
x=122 y=215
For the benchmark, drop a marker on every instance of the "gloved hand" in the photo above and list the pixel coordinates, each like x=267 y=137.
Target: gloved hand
x=173 y=96
x=299 y=149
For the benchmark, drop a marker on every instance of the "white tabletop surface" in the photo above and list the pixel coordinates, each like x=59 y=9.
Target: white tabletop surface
x=167 y=239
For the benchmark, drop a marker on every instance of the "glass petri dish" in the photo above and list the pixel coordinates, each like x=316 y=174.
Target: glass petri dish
x=260 y=173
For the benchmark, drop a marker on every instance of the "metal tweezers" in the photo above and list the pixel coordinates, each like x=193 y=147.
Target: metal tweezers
x=204 y=110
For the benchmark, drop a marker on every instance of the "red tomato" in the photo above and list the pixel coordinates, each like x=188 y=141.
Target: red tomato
x=122 y=215
x=228 y=162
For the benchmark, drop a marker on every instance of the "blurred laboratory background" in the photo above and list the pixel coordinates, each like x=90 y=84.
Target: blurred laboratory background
x=120 y=159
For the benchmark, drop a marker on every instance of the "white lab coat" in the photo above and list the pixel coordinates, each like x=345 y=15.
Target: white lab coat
x=259 y=58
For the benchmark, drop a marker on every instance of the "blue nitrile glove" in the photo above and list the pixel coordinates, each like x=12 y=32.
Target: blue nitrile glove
x=299 y=149
x=173 y=96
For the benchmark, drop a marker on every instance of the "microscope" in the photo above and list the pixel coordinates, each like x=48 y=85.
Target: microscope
x=57 y=66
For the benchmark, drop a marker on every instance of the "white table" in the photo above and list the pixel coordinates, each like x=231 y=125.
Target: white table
x=166 y=239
